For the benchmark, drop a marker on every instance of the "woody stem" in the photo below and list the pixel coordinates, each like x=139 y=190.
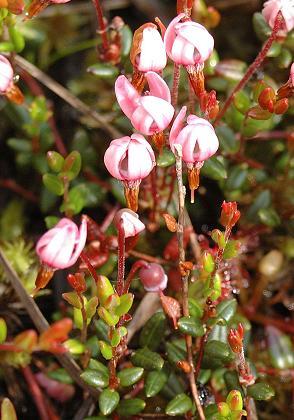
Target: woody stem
x=185 y=277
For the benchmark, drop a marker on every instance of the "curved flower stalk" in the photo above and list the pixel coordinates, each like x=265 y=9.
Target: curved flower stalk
x=59 y=248
x=7 y=86
x=37 y=6
x=199 y=142
x=150 y=113
x=130 y=159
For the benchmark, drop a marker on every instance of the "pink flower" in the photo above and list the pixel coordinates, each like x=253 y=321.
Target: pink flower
x=153 y=278
x=61 y=246
x=198 y=139
x=129 y=158
x=131 y=223
x=187 y=43
x=272 y=7
x=150 y=113
x=148 y=52
x=291 y=78
x=6 y=75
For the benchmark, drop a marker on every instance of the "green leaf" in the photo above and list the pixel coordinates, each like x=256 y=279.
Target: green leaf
x=130 y=376
x=73 y=299
x=20 y=145
x=60 y=375
x=153 y=331
x=261 y=201
x=226 y=309
x=104 y=289
x=232 y=381
x=231 y=249
x=175 y=385
x=179 y=405
x=106 y=350
x=280 y=349
x=72 y=165
x=51 y=221
x=99 y=366
x=53 y=184
x=102 y=330
x=147 y=359
x=195 y=309
x=165 y=158
x=91 y=307
x=217 y=350
x=107 y=317
x=76 y=200
x=126 y=302
x=262 y=29
x=261 y=391
x=269 y=217
x=154 y=382
x=3 y=330
x=191 y=326
x=7 y=410
x=274 y=50
x=131 y=407
x=242 y=101
x=214 y=168
x=74 y=346
x=104 y=70
x=237 y=177
x=108 y=401
x=92 y=345
x=55 y=161
x=176 y=350
x=126 y=40
x=95 y=378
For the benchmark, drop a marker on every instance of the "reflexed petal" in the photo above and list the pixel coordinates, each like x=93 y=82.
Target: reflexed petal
x=126 y=95
x=161 y=111
x=157 y=86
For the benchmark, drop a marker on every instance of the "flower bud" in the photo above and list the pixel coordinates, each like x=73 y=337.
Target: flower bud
x=153 y=278
x=234 y=400
x=267 y=98
x=77 y=282
x=131 y=223
x=235 y=339
x=229 y=215
x=281 y=106
x=148 y=52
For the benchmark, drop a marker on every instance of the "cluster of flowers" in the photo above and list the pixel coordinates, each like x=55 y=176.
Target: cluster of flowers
x=130 y=159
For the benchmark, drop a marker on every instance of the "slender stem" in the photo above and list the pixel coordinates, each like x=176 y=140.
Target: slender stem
x=36 y=393
x=121 y=259
x=135 y=267
x=89 y=266
x=176 y=82
x=10 y=184
x=148 y=258
x=185 y=277
x=101 y=24
x=253 y=67
x=84 y=317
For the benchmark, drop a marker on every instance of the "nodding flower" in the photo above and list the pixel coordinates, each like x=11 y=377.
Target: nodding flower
x=198 y=142
x=7 y=86
x=130 y=159
x=187 y=43
x=131 y=224
x=148 y=52
x=61 y=246
x=151 y=112
x=272 y=7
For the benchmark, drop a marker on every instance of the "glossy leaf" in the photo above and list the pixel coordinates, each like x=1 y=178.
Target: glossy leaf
x=147 y=359
x=195 y=309
x=55 y=161
x=214 y=168
x=191 y=326
x=226 y=309
x=179 y=405
x=153 y=331
x=261 y=391
x=166 y=158
x=95 y=378
x=60 y=375
x=99 y=366
x=106 y=350
x=131 y=407
x=154 y=382
x=73 y=299
x=108 y=401
x=130 y=376
x=72 y=165
x=125 y=305
x=104 y=70
x=107 y=317
x=269 y=217
x=3 y=330
x=176 y=350
x=104 y=289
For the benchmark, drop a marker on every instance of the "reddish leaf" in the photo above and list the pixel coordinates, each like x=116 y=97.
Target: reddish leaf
x=172 y=308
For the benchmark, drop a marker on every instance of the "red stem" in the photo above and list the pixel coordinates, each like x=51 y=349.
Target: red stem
x=101 y=24
x=265 y=320
x=36 y=393
x=10 y=184
x=135 y=267
x=121 y=259
x=176 y=82
x=90 y=268
x=253 y=67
